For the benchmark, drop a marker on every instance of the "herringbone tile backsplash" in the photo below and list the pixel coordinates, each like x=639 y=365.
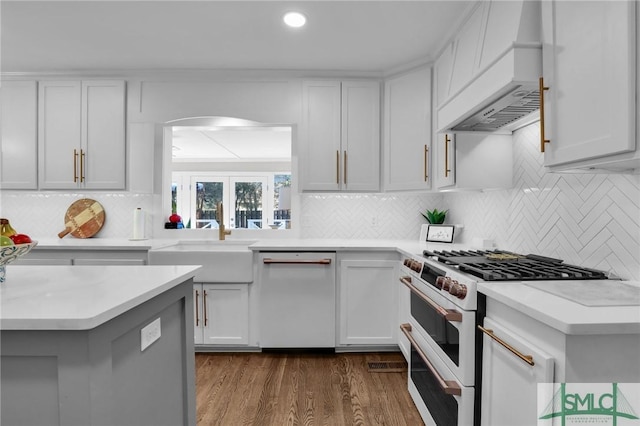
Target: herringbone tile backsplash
x=587 y=219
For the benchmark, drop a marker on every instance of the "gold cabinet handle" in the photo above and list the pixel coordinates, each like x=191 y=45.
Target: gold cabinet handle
x=81 y=166
x=75 y=166
x=526 y=358
x=204 y=306
x=344 y=172
x=447 y=139
x=448 y=314
x=426 y=153
x=197 y=310
x=449 y=387
x=338 y=167
x=542 y=88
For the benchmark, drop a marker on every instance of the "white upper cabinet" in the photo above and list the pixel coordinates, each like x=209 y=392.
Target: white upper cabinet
x=407 y=131
x=473 y=161
x=81 y=134
x=19 y=125
x=340 y=146
x=589 y=68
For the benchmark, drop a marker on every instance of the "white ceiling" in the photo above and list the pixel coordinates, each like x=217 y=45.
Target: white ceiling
x=355 y=36
x=253 y=144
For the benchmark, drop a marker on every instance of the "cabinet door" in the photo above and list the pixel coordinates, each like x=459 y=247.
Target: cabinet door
x=103 y=134
x=466 y=48
x=361 y=136
x=407 y=139
x=320 y=165
x=510 y=384
x=225 y=314
x=368 y=307
x=19 y=135
x=59 y=134
x=445 y=160
x=442 y=73
x=589 y=67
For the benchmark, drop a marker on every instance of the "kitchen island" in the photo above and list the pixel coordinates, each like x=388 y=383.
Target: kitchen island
x=97 y=345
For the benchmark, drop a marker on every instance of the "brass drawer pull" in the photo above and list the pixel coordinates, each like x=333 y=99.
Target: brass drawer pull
x=526 y=358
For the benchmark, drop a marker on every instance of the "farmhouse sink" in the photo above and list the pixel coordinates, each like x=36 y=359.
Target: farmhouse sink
x=226 y=261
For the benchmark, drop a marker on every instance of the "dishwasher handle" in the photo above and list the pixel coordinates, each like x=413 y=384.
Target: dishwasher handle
x=269 y=261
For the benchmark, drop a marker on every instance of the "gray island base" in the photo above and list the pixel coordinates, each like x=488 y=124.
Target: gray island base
x=104 y=375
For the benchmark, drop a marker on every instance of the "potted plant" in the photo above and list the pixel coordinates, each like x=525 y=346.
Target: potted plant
x=435 y=216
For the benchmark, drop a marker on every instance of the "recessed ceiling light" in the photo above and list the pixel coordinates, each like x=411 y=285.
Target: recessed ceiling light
x=294 y=19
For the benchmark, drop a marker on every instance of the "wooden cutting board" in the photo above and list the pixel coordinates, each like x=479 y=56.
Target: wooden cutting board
x=84 y=219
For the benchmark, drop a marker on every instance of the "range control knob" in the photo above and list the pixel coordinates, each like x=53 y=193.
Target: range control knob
x=416 y=266
x=446 y=285
x=440 y=282
x=458 y=290
x=407 y=262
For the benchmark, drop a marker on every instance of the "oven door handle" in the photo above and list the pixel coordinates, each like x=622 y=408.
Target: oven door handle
x=450 y=387
x=448 y=314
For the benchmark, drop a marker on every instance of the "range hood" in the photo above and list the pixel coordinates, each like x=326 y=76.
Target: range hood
x=502 y=94
x=513 y=110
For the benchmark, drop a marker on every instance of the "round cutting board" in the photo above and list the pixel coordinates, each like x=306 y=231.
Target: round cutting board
x=84 y=219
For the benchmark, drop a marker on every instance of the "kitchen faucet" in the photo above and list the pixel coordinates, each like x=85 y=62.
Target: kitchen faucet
x=222 y=233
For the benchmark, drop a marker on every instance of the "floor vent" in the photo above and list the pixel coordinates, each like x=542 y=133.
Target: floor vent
x=386 y=367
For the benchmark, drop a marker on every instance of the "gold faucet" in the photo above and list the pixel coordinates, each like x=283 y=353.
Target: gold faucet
x=222 y=233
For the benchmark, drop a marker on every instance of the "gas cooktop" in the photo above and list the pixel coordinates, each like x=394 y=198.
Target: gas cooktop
x=499 y=265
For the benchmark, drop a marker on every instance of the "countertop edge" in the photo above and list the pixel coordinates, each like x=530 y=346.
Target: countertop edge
x=88 y=323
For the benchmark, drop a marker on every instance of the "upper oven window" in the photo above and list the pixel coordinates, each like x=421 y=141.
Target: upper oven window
x=441 y=331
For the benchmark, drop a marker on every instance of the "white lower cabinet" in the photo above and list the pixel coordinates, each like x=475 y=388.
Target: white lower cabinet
x=367 y=299
x=221 y=314
x=509 y=382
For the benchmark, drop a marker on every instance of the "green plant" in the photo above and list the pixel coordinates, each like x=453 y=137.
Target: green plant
x=435 y=216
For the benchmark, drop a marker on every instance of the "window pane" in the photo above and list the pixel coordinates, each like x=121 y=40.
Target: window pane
x=208 y=195
x=248 y=205
x=282 y=201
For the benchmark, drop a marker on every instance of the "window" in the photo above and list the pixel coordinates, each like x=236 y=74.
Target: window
x=250 y=201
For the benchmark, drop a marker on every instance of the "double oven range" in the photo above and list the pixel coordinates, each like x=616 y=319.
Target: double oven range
x=445 y=374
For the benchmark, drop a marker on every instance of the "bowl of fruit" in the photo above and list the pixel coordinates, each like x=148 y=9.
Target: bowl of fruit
x=12 y=246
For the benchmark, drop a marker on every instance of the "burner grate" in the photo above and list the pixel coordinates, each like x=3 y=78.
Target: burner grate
x=500 y=265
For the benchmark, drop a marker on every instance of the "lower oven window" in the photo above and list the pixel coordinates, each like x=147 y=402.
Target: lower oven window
x=440 y=330
x=442 y=407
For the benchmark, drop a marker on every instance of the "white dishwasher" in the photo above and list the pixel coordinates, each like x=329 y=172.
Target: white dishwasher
x=297 y=299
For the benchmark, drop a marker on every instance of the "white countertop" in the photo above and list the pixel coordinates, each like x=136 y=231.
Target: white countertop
x=406 y=246
x=71 y=243
x=562 y=314
x=80 y=297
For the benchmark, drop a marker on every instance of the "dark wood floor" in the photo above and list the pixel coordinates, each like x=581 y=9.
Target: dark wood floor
x=279 y=389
